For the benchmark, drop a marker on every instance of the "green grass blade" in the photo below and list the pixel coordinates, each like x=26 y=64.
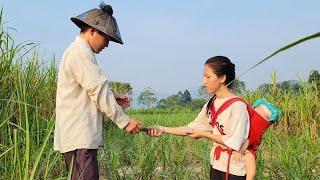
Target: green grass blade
x=307 y=38
x=5 y=152
x=27 y=141
x=35 y=166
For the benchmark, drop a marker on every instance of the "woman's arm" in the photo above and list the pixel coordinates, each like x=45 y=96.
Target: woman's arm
x=201 y=123
x=209 y=135
x=179 y=131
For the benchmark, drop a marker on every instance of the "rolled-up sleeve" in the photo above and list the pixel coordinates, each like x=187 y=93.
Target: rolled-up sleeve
x=201 y=122
x=91 y=78
x=239 y=129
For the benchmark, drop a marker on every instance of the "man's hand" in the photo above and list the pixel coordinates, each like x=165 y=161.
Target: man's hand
x=133 y=126
x=123 y=100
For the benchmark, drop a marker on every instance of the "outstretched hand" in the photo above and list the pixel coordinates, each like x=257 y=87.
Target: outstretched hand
x=123 y=100
x=154 y=131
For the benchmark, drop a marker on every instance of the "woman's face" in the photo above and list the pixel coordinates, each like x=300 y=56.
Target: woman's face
x=211 y=81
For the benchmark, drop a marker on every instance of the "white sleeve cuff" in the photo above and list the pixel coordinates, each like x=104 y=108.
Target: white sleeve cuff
x=231 y=144
x=122 y=121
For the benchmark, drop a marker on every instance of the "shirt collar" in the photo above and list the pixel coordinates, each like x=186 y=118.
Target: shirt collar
x=82 y=42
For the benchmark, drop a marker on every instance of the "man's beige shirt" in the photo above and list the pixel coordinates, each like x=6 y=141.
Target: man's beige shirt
x=83 y=95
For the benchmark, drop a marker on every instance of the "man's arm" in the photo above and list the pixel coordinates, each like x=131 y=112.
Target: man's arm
x=93 y=80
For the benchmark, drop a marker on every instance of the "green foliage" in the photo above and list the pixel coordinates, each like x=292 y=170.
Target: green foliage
x=196 y=104
x=170 y=102
x=185 y=98
x=314 y=78
x=147 y=97
x=288 y=157
x=238 y=87
x=290 y=86
x=290 y=149
x=202 y=93
x=285 y=86
x=166 y=157
x=178 y=100
x=27 y=103
x=120 y=87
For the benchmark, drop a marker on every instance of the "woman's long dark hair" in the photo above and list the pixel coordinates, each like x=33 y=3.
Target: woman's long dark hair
x=221 y=65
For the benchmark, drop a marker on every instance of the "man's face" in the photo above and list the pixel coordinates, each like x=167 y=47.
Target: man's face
x=98 y=41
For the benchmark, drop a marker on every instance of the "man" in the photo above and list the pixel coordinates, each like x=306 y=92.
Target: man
x=83 y=94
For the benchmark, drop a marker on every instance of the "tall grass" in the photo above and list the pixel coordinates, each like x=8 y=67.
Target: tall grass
x=27 y=90
x=291 y=147
x=290 y=150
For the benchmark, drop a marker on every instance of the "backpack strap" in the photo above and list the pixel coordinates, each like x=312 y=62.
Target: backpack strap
x=213 y=122
x=223 y=107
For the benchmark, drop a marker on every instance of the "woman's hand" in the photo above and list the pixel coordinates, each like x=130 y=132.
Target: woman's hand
x=154 y=131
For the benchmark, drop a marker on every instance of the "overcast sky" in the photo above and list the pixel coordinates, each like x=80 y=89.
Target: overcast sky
x=167 y=42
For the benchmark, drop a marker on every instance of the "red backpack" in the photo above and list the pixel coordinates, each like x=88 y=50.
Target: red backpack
x=258 y=125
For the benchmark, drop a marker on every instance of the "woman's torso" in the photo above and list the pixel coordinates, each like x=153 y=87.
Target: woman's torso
x=233 y=122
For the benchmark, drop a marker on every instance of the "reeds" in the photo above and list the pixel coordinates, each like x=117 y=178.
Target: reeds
x=290 y=149
x=27 y=90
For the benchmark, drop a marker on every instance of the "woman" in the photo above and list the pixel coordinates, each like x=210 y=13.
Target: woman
x=231 y=128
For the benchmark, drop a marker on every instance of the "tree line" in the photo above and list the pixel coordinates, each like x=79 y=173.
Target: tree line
x=148 y=98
